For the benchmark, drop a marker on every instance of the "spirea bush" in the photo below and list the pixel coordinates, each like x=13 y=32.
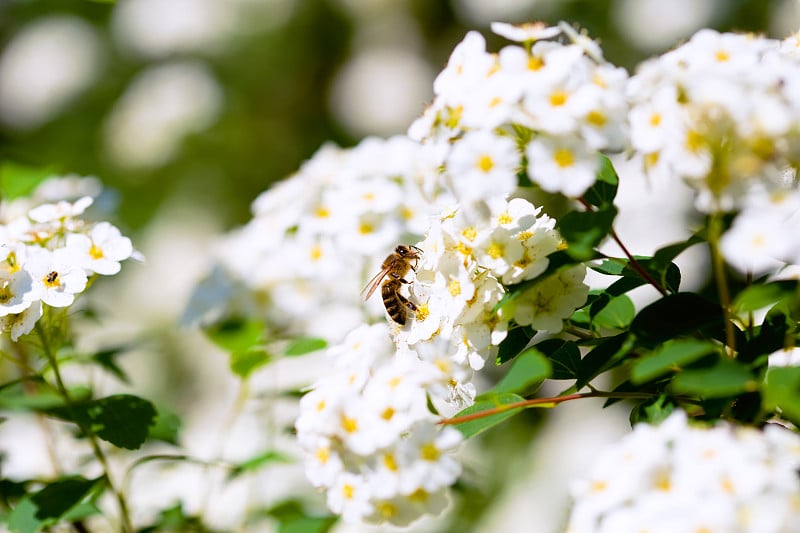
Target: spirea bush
x=504 y=195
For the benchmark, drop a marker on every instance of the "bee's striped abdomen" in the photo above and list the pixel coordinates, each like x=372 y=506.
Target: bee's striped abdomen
x=394 y=302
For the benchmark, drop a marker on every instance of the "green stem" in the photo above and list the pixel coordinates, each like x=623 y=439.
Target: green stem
x=718 y=266
x=127 y=525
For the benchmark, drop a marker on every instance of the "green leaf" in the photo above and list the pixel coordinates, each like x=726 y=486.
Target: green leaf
x=245 y=363
x=584 y=230
x=670 y=357
x=726 y=378
x=664 y=256
x=22 y=518
x=604 y=189
x=758 y=297
x=616 y=314
x=528 y=371
x=260 y=460
x=292 y=518
x=678 y=315
x=305 y=345
x=652 y=411
x=516 y=341
x=122 y=419
x=107 y=360
x=236 y=335
x=167 y=426
x=611 y=352
x=60 y=496
x=485 y=403
x=564 y=356
x=781 y=391
x=18 y=180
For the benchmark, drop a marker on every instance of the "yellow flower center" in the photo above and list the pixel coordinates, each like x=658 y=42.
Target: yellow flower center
x=95 y=252
x=454 y=287
x=365 y=228
x=596 y=118
x=655 y=119
x=564 y=157
x=535 y=63
x=349 y=491
x=387 y=413
x=485 y=163
x=390 y=462
x=722 y=56
x=495 y=250
x=469 y=233
x=323 y=454
x=51 y=280
x=429 y=452
x=316 y=252
x=350 y=425
x=423 y=312
x=558 y=98
x=322 y=212
x=504 y=218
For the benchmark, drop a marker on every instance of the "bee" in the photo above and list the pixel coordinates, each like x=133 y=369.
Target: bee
x=394 y=268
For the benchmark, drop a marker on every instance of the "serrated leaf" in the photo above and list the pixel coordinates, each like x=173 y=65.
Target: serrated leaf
x=527 y=371
x=678 y=315
x=781 y=390
x=726 y=378
x=305 y=345
x=584 y=230
x=236 y=335
x=245 y=363
x=479 y=425
x=564 y=356
x=122 y=419
x=516 y=341
x=258 y=461
x=616 y=314
x=670 y=357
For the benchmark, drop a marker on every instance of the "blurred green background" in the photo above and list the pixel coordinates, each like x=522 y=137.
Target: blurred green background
x=206 y=102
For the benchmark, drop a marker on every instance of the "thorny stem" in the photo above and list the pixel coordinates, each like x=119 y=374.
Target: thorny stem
x=635 y=265
x=718 y=264
x=127 y=525
x=542 y=401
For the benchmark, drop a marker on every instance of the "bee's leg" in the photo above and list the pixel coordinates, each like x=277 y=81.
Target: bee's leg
x=405 y=301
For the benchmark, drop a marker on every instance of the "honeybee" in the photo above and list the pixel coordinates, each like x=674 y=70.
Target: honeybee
x=394 y=267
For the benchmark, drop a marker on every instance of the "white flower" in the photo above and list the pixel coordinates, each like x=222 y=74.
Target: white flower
x=22 y=323
x=60 y=210
x=15 y=291
x=548 y=303
x=785 y=357
x=350 y=497
x=426 y=452
x=56 y=276
x=482 y=165
x=102 y=250
x=561 y=165
x=530 y=31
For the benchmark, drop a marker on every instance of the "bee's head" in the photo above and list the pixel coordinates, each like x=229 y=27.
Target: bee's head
x=407 y=251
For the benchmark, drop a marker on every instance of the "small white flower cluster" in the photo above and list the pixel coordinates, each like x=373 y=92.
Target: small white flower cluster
x=368 y=437
x=678 y=477
x=47 y=255
x=317 y=236
x=549 y=105
x=468 y=260
x=763 y=237
x=721 y=111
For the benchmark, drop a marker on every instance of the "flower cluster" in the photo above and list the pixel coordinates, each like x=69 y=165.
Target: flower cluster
x=721 y=111
x=654 y=478
x=369 y=438
x=47 y=256
x=316 y=237
x=546 y=108
x=468 y=262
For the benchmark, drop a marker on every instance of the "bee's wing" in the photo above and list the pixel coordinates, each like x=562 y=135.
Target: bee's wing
x=372 y=284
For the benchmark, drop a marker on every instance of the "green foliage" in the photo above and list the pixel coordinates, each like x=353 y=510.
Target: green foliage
x=258 y=461
x=123 y=419
x=670 y=357
x=527 y=372
x=18 y=180
x=781 y=392
x=59 y=500
x=292 y=517
x=516 y=341
x=488 y=402
x=304 y=345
